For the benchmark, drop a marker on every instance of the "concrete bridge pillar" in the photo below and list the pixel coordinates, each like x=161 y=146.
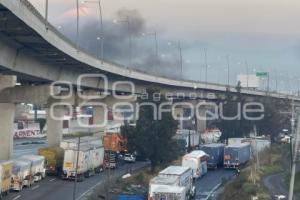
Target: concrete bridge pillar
x=7 y=111
x=54 y=125
x=201 y=122
x=100 y=117
x=179 y=113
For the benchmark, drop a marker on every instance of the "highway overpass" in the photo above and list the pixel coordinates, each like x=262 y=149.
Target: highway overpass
x=35 y=54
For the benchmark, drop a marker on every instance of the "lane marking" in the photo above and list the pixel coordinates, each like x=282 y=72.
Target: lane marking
x=213 y=190
x=52 y=179
x=92 y=188
x=35 y=187
x=17 y=197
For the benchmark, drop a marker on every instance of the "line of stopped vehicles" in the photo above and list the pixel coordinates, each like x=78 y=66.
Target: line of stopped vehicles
x=96 y=155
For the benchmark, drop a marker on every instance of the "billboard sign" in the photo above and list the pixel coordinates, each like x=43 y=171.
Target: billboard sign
x=249 y=81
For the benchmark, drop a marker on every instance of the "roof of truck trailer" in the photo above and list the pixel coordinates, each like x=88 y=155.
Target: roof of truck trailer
x=237 y=145
x=5 y=162
x=213 y=145
x=85 y=147
x=33 y=157
x=167 y=189
x=174 y=170
x=196 y=154
x=164 y=180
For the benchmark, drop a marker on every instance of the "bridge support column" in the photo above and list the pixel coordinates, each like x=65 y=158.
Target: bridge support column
x=179 y=113
x=99 y=117
x=7 y=111
x=201 y=122
x=54 y=126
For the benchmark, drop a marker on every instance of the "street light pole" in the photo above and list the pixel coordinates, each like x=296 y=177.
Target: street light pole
x=101 y=30
x=77 y=25
x=156 y=44
x=127 y=20
x=247 y=73
x=228 y=73
x=181 y=61
x=46 y=13
x=206 y=66
x=156 y=47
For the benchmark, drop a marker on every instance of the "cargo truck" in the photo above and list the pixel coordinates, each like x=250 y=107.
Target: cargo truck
x=90 y=161
x=115 y=146
x=236 y=155
x=158 y=192
x=174 y=181
x=189 y=137
x=73 y=142
x=54 y=157
x=215 y=152
x=37 y=166
x=197 y=161
x=5 y=177
x=21 y=176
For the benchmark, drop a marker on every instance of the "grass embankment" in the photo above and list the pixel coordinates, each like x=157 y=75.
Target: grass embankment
x=137 y=183
x=249 y=183
x=140 y=179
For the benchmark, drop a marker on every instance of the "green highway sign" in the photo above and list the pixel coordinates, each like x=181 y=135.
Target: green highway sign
x=261 y=74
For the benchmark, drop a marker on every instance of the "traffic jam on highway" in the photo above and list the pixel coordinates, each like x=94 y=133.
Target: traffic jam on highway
x=96 y=155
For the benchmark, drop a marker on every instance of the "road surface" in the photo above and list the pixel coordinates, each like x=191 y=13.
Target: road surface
x=275 y=184
x=53 y=188
x=27 y=146
x=206 y=186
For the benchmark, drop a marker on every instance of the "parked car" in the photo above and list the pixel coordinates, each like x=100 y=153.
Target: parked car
x=129 y=158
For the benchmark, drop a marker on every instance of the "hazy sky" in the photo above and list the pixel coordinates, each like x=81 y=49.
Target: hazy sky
x=266 y=33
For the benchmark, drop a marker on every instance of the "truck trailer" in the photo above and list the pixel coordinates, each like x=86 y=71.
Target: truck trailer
x=37 y=166
x=197 y=161
x=184 y=176
x=158 y=192
x=21 y=175
x=236 y=155
x=215 y=152
x=54 y=157
x=90 y=161
x=5 y=177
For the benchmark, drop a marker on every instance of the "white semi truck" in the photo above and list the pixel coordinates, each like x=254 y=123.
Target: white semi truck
x=21 y=175
x=37 y=168
x=197 y=161
x=90 y=161
x=5 y=177
x=174 y=181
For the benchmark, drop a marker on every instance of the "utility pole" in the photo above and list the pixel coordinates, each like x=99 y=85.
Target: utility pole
x=76 y=170
x=293 y=170
x=257 y=157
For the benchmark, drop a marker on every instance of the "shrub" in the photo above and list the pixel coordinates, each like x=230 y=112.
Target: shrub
x=250 y=188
